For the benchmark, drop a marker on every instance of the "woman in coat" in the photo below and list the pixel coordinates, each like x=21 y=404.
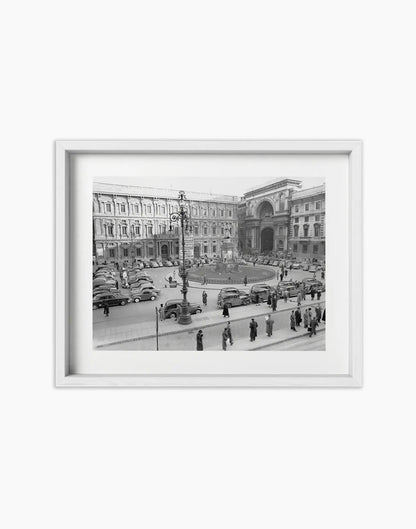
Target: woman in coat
x=224 y=339
x=225 y=311
x=204 y=297
x=298 y=317
x=306 y=319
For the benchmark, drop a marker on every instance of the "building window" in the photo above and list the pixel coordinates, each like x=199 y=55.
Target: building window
x=149 y=231
x=315 y=248
x=281 y=230
x=230 y=229
x=108 y=208
x=149 y=210
x=304 y=248
x=295 y=247
x=205 y=249
x=214 y=230
x=306 y=218
x=317 y=218
x=230 y=213
x=296 y=231
x=136 y=208
x=222 y=213
x=318 y=205
x=162 y=228
x=110 y=230
x=214 y=212
x=123 y=208
x=214 y=248
x=222 y=231
x=111 y=252
x=296 y=220
x=196 y=230
x=296 y=209
x=205 y=230
x=317 y=230
x=163 y=210
x=138 y=252
x=305 y=230
x=150 y=251
x=137 y=229
x=306 y=207
x=124 y=230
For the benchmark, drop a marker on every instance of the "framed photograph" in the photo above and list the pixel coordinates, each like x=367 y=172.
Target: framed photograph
x=209 y=263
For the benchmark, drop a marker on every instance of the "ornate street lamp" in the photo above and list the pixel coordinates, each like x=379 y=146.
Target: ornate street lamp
x=182 y=218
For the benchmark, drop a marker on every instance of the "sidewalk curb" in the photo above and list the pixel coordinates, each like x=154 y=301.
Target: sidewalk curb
x=213 y=324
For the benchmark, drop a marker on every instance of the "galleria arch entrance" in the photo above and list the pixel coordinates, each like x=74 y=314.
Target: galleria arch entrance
x=267 y=240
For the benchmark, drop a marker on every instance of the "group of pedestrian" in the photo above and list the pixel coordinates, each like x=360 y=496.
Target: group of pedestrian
x=272 y=300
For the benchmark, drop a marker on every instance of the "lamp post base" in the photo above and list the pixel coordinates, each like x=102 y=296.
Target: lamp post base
x=184 y=319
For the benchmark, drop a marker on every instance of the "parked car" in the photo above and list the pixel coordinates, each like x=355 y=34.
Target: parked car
x=229 y=290
x=103 y=281
x=144 y=294
x=310 y=283
x=305 y=267
x=172 y=308
x=262 y=290
x=313 y=269
x=166 y=262
x=233 y=299
x=104 y=288
x=289 y=286
x=296 y=266
x=99 y=300
x=139 y=284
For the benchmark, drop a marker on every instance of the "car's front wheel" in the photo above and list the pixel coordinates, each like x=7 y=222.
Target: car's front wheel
x=172 y=316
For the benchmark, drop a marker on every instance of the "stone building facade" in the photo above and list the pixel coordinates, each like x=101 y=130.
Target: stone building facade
x=307 y=223
x=132 y=222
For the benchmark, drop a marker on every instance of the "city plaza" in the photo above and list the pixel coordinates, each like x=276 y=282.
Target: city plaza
x=134 y=224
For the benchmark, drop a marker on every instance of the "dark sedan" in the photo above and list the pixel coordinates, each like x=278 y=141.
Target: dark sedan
x=112 y=300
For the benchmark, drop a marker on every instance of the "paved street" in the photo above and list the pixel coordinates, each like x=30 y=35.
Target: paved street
x=127 y=327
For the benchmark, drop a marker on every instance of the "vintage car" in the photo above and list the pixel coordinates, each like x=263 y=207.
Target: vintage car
x=287 y=286
x=262 y=290
x=233 y=299
x=310 y=283
x=111 y=299
x=144 y=294
x=172 y=308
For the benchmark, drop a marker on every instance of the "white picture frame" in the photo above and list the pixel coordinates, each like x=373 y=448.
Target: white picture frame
x=63 y=151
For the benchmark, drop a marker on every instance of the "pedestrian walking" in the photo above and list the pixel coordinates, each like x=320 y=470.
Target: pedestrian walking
x=224 y=339
x=106 y=310
x=257 y=299
x=225 y=311
x=312 y=293
x=312 y=327
x=199 y=343
x=281 y=276
x=285 y=272
x=161 y=313
x=299 y=298
x=322 y=275
x=298 y=317
x=306 y=319
x=229 y=333
x=245 y=281
x=285 y=295
x=318 y=294
x=204 y=298
x=274 y=302
x=293 y=321
x=324 y=315
x=205 y=279
x=318 y=313
x=269 y=325
x=116 y=284
x=269 y=299
x=253 y=329
x=303 y=292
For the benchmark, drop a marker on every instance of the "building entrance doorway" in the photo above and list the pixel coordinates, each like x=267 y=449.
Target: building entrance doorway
x=197 y=251
x=164 y=250
x=267 y=240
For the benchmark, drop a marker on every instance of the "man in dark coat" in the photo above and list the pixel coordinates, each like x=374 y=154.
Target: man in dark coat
x=106 y=310
x=269 y=325
x=298 y=317
x=318 y=312
x=245 y=281
x=253 y=329
x=224 y=339
x=269 y=299
x=274 y=302
x=293 y=322
x=281 y=276
x=257 y=299
x=312 y=293
x=225 y=311
x=204 y=298
x=199 y=344
x=324 y=315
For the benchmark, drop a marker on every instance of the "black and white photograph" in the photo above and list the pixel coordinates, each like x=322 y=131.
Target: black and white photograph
x=209 y=264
